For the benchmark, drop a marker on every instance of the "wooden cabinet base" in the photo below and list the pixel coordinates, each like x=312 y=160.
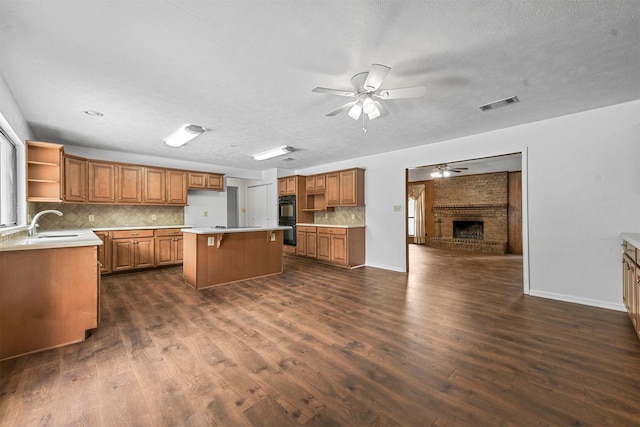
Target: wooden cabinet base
x=231 y=258
x=48 y=298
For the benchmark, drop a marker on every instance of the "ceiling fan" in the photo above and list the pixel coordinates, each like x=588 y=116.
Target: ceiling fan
x=444 y=171
x=367 y=93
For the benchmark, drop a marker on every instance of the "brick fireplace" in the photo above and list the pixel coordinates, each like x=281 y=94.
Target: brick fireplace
x=471 y=213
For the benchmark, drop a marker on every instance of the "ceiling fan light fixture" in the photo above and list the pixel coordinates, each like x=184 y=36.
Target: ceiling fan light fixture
x=275 y=152
x=355 y=111
x=183 y=135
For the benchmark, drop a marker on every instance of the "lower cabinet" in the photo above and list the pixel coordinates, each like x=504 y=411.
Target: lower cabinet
x=132 y=249
x=631 y=284
x=341 y=246
x=169 y=246
x=306 y=244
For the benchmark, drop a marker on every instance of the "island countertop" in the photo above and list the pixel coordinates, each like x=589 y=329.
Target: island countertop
x=214 y=230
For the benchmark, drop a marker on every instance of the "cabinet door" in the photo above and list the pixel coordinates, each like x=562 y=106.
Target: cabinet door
x=104 y=251
x=165 y=250
x=102 y=182
x=333 y=189
x=129 y=184
x=282 y=187
x=75 y=180
x=291 y=185
x=122 y=254
x=179 y=251
x=215 y=182
x=320 y=183
x=339 y=253
x=628 y=278
x=176 y=187
x=324 y=247
x=311 y=241
x=154 y=186
x=310 y=183
x=301 y=243
x=144 y=252
x=197 y=180
x=348 y=188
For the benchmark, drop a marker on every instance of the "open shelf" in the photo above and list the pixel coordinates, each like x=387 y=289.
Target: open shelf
x=44 y=172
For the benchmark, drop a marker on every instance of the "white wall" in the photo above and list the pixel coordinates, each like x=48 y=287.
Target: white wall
x=583 y=190
x=213 y=204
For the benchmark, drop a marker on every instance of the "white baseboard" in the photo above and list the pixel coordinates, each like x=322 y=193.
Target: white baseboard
x=577 y=300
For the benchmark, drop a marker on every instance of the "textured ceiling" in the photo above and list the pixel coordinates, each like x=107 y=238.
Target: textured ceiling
x=244 y=70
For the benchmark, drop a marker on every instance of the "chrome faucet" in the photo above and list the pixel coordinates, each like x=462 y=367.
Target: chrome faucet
x=31 y=231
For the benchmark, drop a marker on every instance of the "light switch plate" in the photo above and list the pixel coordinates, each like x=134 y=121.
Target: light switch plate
x=397 y=208
x=211 y=241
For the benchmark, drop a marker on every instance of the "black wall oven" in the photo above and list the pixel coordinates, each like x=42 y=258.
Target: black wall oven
x=287 y=217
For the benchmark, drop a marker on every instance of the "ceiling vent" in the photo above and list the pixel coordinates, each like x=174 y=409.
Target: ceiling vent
x=498 y=104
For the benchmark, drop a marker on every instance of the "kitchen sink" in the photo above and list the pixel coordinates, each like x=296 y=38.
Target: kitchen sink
x=58 y=235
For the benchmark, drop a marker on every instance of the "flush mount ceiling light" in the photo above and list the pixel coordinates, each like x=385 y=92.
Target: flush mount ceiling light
x=183 y=135
x=285 y=149
x=500 y=103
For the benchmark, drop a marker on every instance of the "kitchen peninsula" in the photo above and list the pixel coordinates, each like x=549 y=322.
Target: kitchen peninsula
x=215 y=256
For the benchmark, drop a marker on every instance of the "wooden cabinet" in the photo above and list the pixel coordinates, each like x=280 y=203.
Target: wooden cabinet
x=132 y=249
x=101 y=182
x=205 y=181
x=104 y=251
x=176 y=187
x=341 y=246
x=75 y=179
x=316 y=184
x=306 y=241
x=345 y=188
x=631 y=283
x=155 y=190
x=288 y=186
x=129 y=183
x=44 y=172
x=168 y=246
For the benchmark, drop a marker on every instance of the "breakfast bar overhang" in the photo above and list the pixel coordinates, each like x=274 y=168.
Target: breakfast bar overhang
x=215 y=256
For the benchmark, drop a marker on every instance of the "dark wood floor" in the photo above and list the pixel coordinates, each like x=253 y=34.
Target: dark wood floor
x=452 y=343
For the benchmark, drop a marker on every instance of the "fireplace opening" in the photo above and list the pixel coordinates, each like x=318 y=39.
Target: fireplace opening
x=468 y=230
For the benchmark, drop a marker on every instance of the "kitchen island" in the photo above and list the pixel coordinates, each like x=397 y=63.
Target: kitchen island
x=216 y=256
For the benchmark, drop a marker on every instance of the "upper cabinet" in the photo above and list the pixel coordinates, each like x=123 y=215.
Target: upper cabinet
x=288 y=186
x=44 y=172
x=176 y=187
x=154 y=186
x=345 y=188
x=75 y=179
x=316 y=184
x=102 y=182
x=129 y=183
x=205 y=181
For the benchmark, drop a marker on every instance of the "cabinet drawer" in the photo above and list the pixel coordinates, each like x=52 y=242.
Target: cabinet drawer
x=333 y=230
x=168 y=232
x=126 y=234
x=306 y=229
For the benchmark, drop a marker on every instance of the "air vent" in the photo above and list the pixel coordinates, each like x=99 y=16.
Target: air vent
x=498 y=104
x=288 y=159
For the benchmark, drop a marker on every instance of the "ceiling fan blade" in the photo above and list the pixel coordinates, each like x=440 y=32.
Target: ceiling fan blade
x=376 y=75
x=341 y=109
x=337 y=92
x=405 y=92
x=458 y=169
x=381 y=111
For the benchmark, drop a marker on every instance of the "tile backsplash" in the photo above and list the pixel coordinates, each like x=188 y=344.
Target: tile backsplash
x=341 y=216
x=77 y=216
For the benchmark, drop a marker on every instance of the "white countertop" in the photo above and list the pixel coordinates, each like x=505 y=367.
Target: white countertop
x=633 y=238
x=213 y=230
x=52 y=240
x=330 y=225
x=141 y=227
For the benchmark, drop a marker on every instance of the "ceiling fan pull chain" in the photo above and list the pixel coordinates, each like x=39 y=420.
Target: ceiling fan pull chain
x=364 y=129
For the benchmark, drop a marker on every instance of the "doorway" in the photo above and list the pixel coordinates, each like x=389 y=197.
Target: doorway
x=456 y=201
x=233 y=217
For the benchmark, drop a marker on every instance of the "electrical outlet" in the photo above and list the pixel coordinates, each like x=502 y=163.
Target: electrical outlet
x=273 y=237
x=153 y=217
x=92 y=218
x=326 y=215
x=211 y=241
x=205 y=213
x=353 y=216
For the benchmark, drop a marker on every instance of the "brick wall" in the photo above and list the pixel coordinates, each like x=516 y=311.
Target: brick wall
x=483 y=198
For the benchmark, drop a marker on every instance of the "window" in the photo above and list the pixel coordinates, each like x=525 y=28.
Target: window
x=411 y=215
x=8 y=182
